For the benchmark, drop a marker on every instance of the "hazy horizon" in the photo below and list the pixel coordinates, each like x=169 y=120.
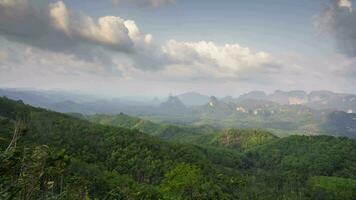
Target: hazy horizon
x=145 y=97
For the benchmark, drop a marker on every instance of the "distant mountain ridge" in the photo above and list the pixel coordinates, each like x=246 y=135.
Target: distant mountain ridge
x=265 y=114
x=299 y=112
x=59 y=153
x=193 y=98
x=64 y=101
x=316 y=99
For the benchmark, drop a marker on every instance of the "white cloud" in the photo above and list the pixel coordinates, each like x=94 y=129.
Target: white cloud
x=139 y=39
x=149 y=3
x=108 y=30
x=14 y=3
x=57 y=28
x=343 y=66
x=74 y=39
x=60 y=16
x=226 y=61
x=345 y=4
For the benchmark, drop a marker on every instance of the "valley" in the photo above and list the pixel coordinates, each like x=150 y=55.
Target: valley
x=124 y=157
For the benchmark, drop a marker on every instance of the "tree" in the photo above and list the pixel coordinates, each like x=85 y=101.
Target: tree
x=187 y=182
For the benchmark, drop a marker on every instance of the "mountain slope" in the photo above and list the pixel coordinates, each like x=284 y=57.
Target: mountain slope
x=96 y=151
x=320 y=100
x=163 y=131
x=193 y=99
x=243 y=139
x=59 y=156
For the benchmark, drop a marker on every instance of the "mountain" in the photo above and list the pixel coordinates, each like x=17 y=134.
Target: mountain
x=334 y=101
x=244 y=139
x=295 y=97
x=70 y=158
x=257 y=113
x=62 y=101
x=249 y=111
x=281 y=97
x=193 y=99
x=229 y=99
x=341 y=123
x=163 y=131
x=172 y=106
x=203 y=135
x=257 y=95
x=237 y=139
x=214 y=108
x=45 y=154
x=320 y=100
x=29 y=97
x=71 y=107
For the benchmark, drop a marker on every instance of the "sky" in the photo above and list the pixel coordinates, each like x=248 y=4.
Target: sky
x=161 y=47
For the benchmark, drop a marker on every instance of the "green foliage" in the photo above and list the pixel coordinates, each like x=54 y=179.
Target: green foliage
x=331 y=188
x=186 y=182
x=56 y=156
x=101 y=157
x=284 y=166
x=308 y=155
x=167 y=132
x=242 y=138
x=32 y=173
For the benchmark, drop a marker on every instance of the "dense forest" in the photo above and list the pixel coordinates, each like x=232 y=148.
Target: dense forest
x=49 y=155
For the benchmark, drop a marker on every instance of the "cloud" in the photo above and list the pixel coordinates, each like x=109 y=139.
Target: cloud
x=56 y=28
x=118 y=44
x=343 y=66
x=345 y=4
x=3 y=55
x=20 y=57
x=229 y=61
x=339 y=21
x=108 y=31
x=146 y=3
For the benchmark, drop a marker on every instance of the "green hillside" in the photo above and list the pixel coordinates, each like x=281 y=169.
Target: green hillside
x=163 y=131
x=242 y=138
x=203 y=135
x=332 y=188
x=48 y=155
x=308 y=155
x=69 y=158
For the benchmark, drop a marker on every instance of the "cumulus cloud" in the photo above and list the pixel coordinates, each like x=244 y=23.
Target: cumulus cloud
x=113 y=42
x=220 y=61
x=19 y=57
x=339 y=20
x=345 y=4
x=149 y=3
x=56 y=28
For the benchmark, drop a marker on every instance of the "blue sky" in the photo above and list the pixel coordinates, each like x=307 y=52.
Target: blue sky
x=275 y=26
x=221 y=47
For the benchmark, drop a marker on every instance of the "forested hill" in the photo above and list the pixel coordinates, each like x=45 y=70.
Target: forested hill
x=73 y=158
x=187 y=134
x=47 y=155
x=240 y=139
